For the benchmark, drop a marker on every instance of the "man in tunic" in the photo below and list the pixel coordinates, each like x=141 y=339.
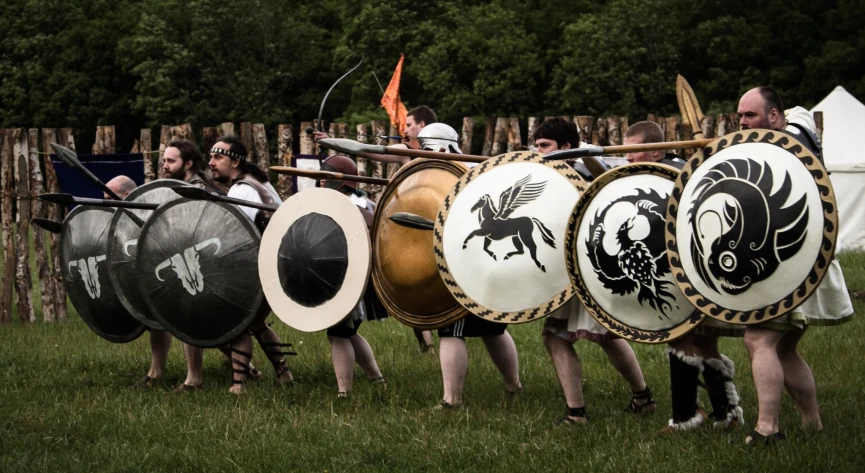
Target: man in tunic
x=773 y=346
x=572 y=322
x=228 y=166
x=696 y=352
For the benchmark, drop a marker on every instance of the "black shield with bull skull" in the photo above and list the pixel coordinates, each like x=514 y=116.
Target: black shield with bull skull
x=123 y=247
x=198 y=270
x=83 y=255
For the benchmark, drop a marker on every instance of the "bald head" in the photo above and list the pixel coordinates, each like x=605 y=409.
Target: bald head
x=761 y=107
x=121 y=185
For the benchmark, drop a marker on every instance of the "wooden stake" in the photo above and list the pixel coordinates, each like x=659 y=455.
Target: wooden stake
x=531 y=129
x=23 y=280
x=818 y=123
x=164 y=139
x=146 y=145
x=601 y=129
x=489 y=133
x=392 y=168
x=209 y=134
x=500 y=138
x=584 y=127
x=46 y=282
x=515 y=139
x=259 y=136
x=226 y=129
x=362 y=163
x=54 y=212
x=379 y=169
x=671 y=130
x=249 y=141
x=307 y=146
x=467 y=134
x=614 y=133
x=283 y=145
x=6 y=170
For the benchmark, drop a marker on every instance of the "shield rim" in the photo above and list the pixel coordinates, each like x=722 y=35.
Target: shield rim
x=254 y=314
x=493 y=315
x=332 y=204
x=140 y=328
x=427 y=322
x=827 y=248
x=603 y=317
x=147 y=319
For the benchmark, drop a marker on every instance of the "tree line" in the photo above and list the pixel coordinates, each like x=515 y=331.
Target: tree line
x=136 y=64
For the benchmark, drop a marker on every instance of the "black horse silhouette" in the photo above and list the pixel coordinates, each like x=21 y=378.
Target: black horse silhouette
x=495 y=224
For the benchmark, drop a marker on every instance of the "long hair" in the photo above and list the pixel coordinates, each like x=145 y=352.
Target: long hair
x=245 y=167
x=189 y=152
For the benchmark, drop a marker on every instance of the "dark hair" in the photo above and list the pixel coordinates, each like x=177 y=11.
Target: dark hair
x=650 y=132
x=189 y=152
x=559 y=130
x=236 y=146
x=772 y=99
x=424 y=114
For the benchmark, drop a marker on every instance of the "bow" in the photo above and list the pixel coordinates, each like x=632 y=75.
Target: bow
x=324 y=100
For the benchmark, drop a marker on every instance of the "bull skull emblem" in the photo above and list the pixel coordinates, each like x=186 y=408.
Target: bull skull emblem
x=88 y=269
x=186 y=266
x=127 y=245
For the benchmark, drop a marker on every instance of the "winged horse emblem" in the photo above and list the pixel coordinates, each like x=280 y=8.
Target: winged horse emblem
x=496 y=223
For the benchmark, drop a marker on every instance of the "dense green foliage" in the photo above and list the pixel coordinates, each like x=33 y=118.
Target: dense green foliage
x=134 y=64
x=67 y=407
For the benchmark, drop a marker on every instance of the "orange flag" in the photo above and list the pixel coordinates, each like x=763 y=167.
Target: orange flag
x=391 y=102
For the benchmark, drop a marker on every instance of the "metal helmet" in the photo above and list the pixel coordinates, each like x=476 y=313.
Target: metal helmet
x=342 y=164
x=439 y=137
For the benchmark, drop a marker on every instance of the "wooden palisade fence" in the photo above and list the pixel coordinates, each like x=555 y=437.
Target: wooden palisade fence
x=22 y=177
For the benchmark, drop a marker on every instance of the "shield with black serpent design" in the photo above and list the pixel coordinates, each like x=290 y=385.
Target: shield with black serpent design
x=751 y=226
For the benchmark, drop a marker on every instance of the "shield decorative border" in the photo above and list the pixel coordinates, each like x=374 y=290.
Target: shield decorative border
x=493 y=315
x=827 y=246
x=571 y=253
x=344 y=213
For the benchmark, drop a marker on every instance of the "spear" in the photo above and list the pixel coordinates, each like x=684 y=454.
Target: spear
x=411 y=220
x=364 y=150
x=692 y=114
x=69 y=158
x=310 y=130
x=335 y=176
x=194 y=193
x=66 y=199
x=52 y=226
x=592 y=150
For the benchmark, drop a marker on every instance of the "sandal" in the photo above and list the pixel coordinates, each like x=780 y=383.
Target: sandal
x=381 y=380
x=342 y=395
x=646 y=407
x=574 y=415
x=187 y=388
x=147 y=382
x=756 y=438
x=444 y=405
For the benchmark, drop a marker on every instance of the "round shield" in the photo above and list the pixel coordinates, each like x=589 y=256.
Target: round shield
x=404 y=271
x=751 y=226
x=617 y=255
x=499 y=237
x=83 y=254
x=198 y=270
x=123 y=235
x=314 y=259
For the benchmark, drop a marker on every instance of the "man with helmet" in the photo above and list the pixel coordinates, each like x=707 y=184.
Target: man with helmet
x=228 y=165
x=346 y=345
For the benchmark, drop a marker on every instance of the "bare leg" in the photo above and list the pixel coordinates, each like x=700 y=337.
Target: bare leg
x=568 y=369
x=194 y=358
x=239 y=362
x=160 y=342
x=454 y=359
x=342 y=355
x=622 y=358
x=503 y=352
x=365 y=358
x=254 y=373
x=271 y=344
x=768 y=373
x=799 y=380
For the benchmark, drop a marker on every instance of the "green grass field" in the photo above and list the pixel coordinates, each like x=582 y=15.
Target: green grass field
x=66 y=406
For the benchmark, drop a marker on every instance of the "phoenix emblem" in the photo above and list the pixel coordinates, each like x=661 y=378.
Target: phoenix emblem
x=496 y=222
x=627 y=250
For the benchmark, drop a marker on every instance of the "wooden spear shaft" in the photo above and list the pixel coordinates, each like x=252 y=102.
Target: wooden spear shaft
x=336 y=176
x=622 y=149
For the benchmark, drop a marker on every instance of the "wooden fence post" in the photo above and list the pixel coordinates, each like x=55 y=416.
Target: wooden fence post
x=584 y=127
x=531 y=129
x=227 y=129
x=332 y=133
x=686 y=133
x=259 y=136
x=46 y=286
x=104 y=143
x=209 y=135
x=145 y=146
x=721 y=125
x=392 y=168
x=500 y=138
x=362 y=163
x=307 y=146
x=283 y=145
x=599 y=135
x=818 y=123
x=23 y=280
x=732 y=122
x=317 y=125
x=379 y=169
x=671 y=132
x=6 y=169
x=614 y=132
x=489 y=134
x=467 y=135
x=707 y=126
x=515 y=139
x=164 y=139
x=55 y=212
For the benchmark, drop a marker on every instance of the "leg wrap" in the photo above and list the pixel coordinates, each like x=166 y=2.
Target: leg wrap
x=684 y=378
x=718 y=375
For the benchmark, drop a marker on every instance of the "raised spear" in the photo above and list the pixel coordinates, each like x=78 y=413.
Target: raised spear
x=335 y=176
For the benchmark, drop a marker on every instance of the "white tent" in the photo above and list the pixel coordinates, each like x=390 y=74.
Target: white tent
x=844 y=155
